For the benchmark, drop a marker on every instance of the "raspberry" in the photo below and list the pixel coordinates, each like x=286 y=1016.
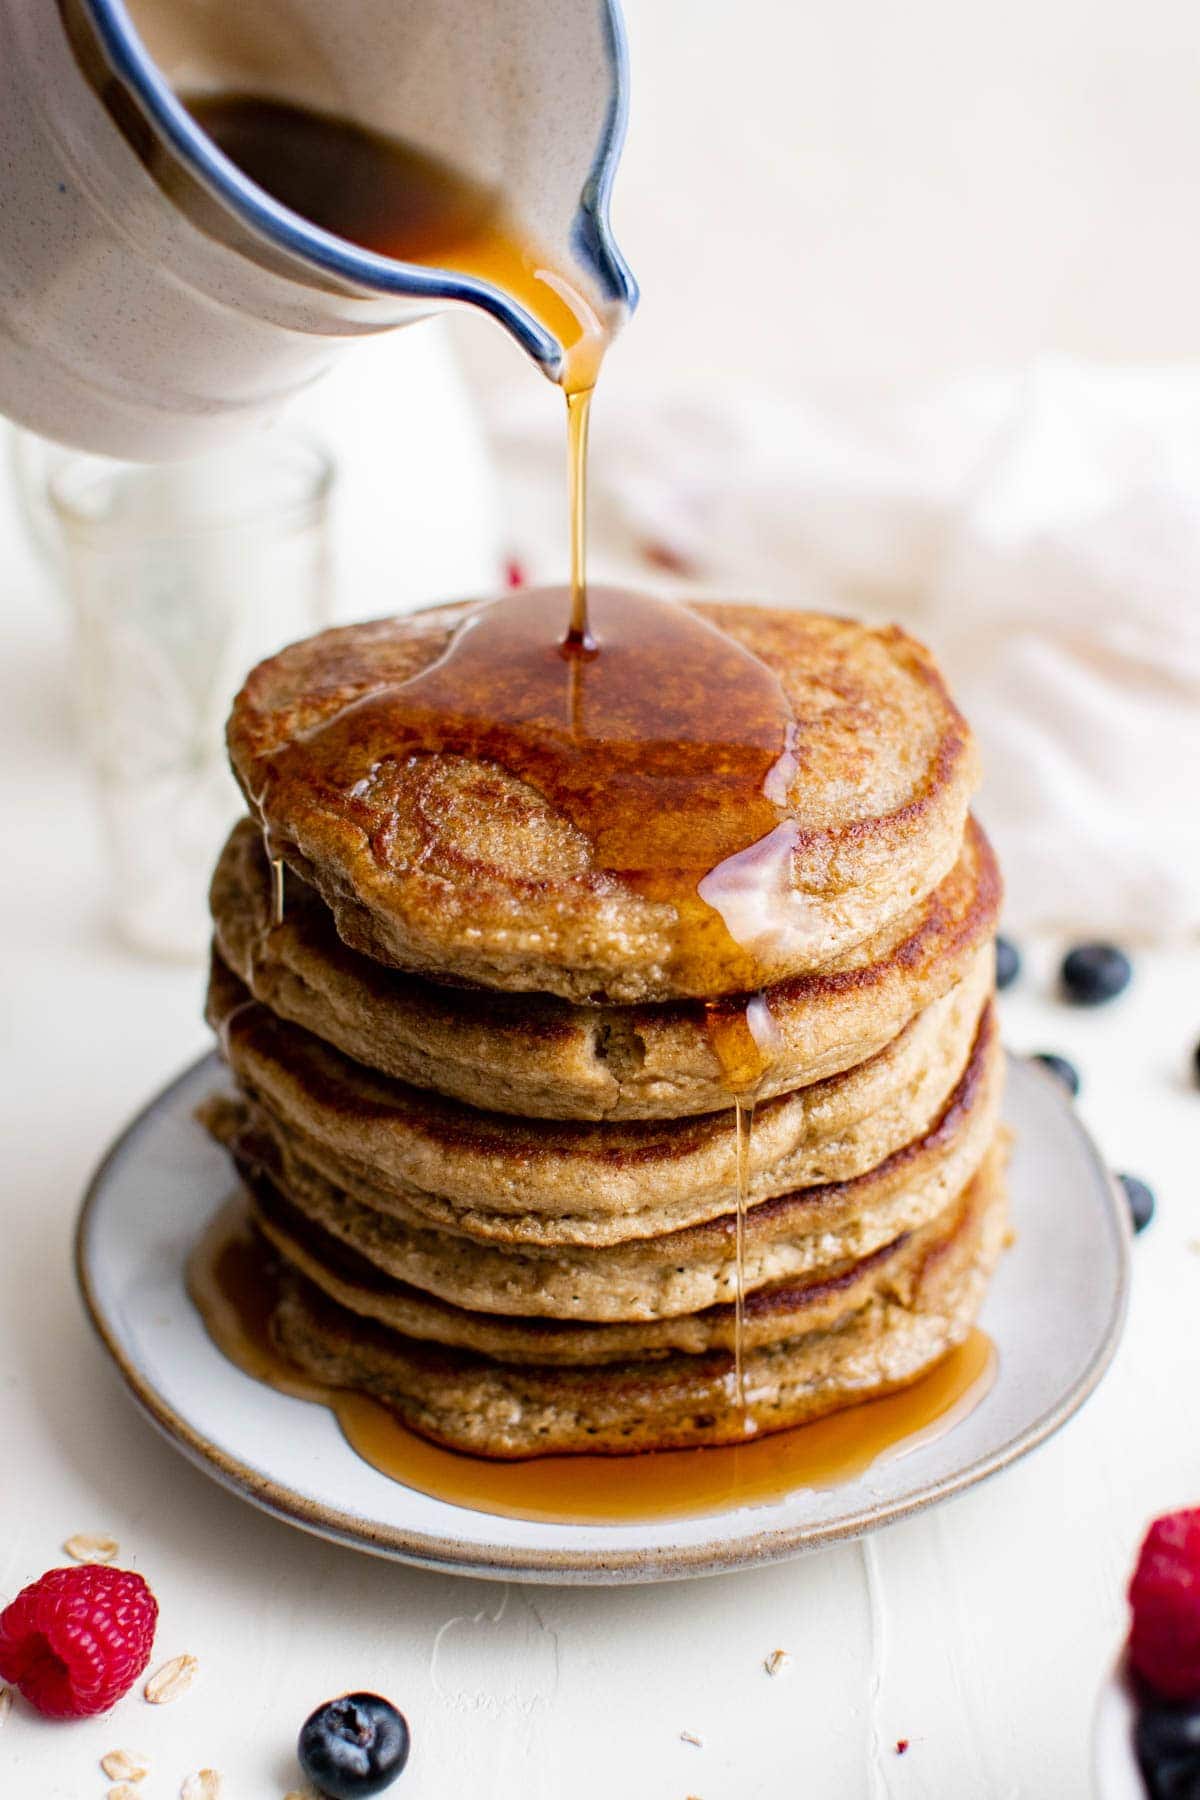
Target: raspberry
x=1164 y=1642
x=77 y=1639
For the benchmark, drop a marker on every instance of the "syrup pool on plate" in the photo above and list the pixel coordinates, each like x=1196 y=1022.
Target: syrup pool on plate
x=230 y=1280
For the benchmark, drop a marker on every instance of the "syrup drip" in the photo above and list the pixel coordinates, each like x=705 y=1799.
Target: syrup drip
x=230 y=1281
x=745 y=1040
x=277 y=891
x=743 y=1126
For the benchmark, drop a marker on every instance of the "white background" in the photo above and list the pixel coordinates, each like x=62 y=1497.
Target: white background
x=846 y=203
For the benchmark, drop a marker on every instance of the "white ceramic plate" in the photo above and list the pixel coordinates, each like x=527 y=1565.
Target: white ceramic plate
x=1055 y=1313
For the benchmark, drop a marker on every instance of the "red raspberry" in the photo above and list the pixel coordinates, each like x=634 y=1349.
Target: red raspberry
x=77 y=1639
x=1164 y=1642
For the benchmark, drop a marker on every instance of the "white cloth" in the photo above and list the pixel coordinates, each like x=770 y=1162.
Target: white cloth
x=1041 y=531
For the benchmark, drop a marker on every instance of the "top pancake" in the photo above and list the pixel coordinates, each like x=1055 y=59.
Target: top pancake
x=447 y=866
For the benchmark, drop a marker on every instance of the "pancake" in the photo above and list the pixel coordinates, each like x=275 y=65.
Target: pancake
x=541 y=1180
x=787 y=1238
x=772 y=1314
x=512 y=1409
x=543 y=1057
x=446 y=866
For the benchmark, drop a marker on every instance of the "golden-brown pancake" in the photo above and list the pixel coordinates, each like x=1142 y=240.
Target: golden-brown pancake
x=453 y=867
x=569 y=1181
x=773 y=1313
x=787 y=1238
x=544 y=1057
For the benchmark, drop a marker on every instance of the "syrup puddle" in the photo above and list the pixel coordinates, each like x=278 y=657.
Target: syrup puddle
x=230 y=1284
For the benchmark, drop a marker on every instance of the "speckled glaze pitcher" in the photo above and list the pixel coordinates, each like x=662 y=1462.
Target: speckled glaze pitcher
x=153 y=300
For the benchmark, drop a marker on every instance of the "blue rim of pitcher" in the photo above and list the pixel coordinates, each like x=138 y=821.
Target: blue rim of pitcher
x=350 y=266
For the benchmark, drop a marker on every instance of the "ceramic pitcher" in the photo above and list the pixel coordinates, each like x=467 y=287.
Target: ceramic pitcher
x=154 y=300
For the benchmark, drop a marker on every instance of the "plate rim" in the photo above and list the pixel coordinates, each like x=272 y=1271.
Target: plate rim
x=623 y=1564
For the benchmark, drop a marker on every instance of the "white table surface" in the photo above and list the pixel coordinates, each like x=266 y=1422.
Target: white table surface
x=979 y=1631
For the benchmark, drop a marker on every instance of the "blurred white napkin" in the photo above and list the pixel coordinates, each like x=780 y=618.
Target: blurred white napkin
x=1040 y=531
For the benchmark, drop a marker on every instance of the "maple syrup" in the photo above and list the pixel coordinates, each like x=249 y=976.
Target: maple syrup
x=662 y=740
x=277 y=885
x=231 y=1283
x=745 y=1041
x=579 y=407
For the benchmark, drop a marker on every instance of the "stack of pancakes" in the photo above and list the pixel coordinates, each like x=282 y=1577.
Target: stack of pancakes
x=491 y=1143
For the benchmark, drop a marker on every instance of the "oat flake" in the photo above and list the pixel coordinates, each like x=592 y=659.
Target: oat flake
x=92 y=1546
x=689 y=1737
x=776 y=1662
x=6 y=1703
x=125 y=1765
x=172 y=1680
x=124 y=1790
x=205 y=1784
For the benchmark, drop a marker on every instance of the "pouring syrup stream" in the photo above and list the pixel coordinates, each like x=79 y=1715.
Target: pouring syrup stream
x=579 y=406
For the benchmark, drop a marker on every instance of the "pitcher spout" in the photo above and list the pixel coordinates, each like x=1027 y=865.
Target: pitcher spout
x=523 y=102
x=157 y=296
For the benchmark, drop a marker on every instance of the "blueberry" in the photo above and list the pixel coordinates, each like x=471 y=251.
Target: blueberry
x=1168 y=1751
x=353 y=1747
x=1141 y=1201
x=1066 y=1072
x=1008 y=962
x=1093 y=973
x=1196 y=1064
